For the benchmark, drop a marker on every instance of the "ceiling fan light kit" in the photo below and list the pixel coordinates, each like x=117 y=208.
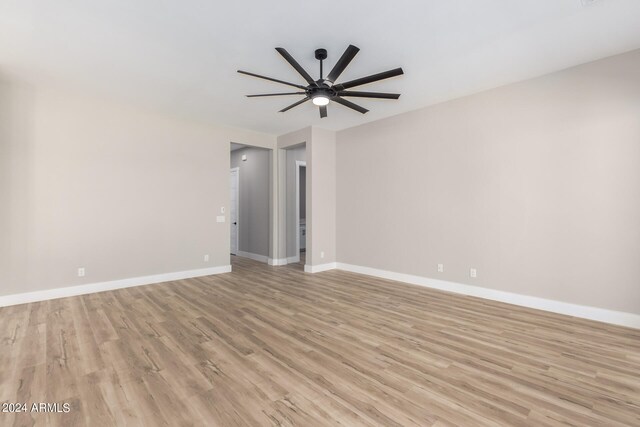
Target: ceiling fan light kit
x=320 y=100
x=325 y=90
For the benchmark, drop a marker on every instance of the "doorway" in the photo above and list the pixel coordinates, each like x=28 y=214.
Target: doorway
x=293 y=158
x=249 y=201
x=301 y=210
x=234 y=202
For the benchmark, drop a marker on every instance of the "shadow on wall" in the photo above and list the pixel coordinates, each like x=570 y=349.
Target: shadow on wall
x=16 y=144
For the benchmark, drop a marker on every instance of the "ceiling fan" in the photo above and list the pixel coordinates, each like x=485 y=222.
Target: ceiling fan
x=325 y=89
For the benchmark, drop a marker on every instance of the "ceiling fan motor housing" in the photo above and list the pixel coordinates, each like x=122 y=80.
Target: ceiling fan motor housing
x=321 y=54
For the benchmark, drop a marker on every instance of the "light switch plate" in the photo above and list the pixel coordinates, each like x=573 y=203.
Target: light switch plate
x=220 y=218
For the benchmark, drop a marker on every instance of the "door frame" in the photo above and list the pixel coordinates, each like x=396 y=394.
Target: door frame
x=237 y=170
x=299 y=164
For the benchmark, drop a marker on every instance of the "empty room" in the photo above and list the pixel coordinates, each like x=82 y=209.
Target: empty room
x=413 y=213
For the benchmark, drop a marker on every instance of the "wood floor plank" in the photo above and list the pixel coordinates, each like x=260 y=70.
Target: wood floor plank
x=275 y=346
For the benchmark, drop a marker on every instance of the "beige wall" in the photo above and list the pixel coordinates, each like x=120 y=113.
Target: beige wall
x=537 y=185
x=122 y=193
x=321 y=207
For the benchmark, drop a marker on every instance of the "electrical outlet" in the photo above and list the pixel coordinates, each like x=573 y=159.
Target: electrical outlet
x=440 y=268
x=473 y=272
x=206 y=258
x=81 y=272
x=321 y=254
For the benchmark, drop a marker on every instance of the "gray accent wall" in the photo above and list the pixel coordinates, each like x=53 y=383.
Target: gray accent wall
x=535 y=184
x=253 y=221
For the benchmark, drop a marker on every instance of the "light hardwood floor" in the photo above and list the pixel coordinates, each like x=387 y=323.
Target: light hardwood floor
x=273 y=346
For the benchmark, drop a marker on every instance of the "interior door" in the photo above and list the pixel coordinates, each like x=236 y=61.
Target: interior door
x=233 y=209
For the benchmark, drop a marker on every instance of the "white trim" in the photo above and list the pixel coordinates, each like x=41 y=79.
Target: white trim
x=71 y=291
x=320 y=267
x=299 y=163
x=283 y=261
x=256 y=257
x=293 y=259
x=593 y=313
x=236 y=169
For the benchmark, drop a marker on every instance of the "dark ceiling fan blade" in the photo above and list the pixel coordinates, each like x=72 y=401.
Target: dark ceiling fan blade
x=342 y=63
x=369 y=94
x=295 y=104
x=276 y=94
x=369 y=79
x=323 y=111
x=295 y=65
x=349 y=104
x=273 y=80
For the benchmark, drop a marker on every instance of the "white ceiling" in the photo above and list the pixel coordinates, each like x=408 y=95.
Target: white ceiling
x=181 y=57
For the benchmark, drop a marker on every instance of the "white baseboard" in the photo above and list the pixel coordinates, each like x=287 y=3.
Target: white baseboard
x=603 y=315
x=293 y=259
x=319 y=268
x=70 y=291
x=284 y=261
x=256 y=257
x=586 y=312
